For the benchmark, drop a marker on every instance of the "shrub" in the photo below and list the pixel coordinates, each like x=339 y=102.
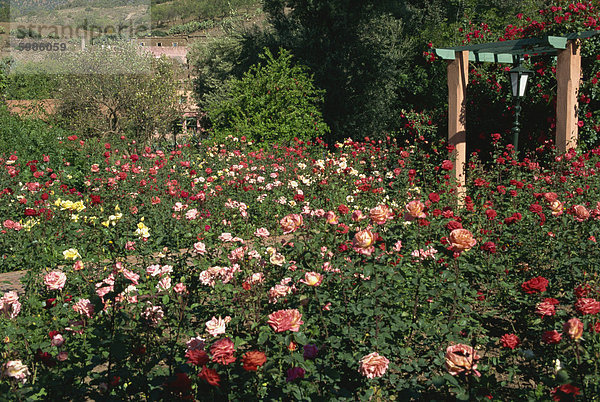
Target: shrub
x=274 y=101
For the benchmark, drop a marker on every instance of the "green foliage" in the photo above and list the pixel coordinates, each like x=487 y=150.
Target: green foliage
x=181 y=10
x=117 y=90
x=276 y=100
x=359 y=52
x=30 y=86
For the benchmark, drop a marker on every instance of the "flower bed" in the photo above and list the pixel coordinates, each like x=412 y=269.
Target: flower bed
x=153 y=275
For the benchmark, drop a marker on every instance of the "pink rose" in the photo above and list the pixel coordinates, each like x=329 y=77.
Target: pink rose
x=285 y=320
x=17 y=370
x=556 y=207
x=222 y=351
x=331 y=218
x=180 y=288
x=216 y=326
x=199 y=247
x=290 y=223
x=84 y=307
x=357 y=215
x=545 y=308
x=587 y=306
x=262 y=232
x=57 y=340
x=55 y=280
x=581 y=213
x=373 y=365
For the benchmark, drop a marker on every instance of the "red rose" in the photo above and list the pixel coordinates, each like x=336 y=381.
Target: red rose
x=509 y=341
x=535 y=285
x=587 y=306
x=582 y=290
x=222 y=351
x=181 y=386
x=453 y=225
x=197 y=357
x=535 y=208
x=253 y=359
x=342 y=209
x=489 y=246
x=514 y=218
x=30 y=212
x=434 y=197
x=447 y=165
x=551 y=337
x=491 y=214
x=565 y=392
x=210 y=376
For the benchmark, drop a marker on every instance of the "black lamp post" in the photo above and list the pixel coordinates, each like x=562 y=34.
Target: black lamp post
x=518 y=79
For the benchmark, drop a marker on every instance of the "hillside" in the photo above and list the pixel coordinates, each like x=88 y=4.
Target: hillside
x=164 y=17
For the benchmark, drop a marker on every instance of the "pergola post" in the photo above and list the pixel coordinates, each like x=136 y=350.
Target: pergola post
x=458 y=74
x=568 y=73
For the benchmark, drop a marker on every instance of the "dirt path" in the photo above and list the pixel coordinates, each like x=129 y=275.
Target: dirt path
x=12 y=281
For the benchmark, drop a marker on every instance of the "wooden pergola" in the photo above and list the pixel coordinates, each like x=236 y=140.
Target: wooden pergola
x=568 y=72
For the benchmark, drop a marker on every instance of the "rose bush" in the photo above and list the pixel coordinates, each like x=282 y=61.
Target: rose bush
x=298 y=272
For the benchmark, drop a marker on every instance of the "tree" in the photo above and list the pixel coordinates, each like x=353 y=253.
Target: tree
x=275 y=100
x=117 y=89
x=359 y=53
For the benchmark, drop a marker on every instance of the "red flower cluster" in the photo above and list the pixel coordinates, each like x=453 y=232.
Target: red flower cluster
x=535 y=285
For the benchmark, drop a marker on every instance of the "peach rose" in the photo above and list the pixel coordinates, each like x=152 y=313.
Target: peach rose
x=462 y=240
x=415 y=209
x=17 y=370
x=55 y=280
x=373 y=365
x=357 y=215
x=573 y=328
x=253 y=360
x=285 y=320
x=290 y=223
x=581 y=213
x=556 y=207
x=312 y=279
x=363 y=242
x=461 y=358
x=380 y=214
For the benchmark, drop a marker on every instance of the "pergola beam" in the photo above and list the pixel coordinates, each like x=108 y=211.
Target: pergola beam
x=458 y=78
x=568 y=73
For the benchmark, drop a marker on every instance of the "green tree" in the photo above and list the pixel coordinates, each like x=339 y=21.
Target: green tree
x=368 y=55
x=274 y=101
x=116 y=90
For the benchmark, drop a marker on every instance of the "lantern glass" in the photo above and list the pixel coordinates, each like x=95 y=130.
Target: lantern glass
x=518 y=79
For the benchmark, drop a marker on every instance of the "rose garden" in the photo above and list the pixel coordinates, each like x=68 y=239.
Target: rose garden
x=248 y=268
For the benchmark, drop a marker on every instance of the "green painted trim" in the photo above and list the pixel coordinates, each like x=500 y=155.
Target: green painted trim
x=446 y=54
x=557 y=42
